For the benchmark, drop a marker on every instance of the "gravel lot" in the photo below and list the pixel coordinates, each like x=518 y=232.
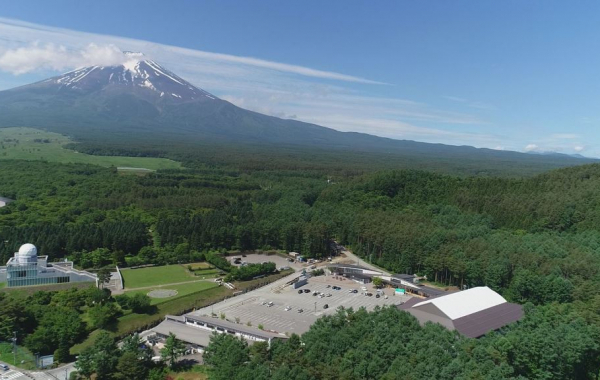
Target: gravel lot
x=249 y=307
x=259 y=258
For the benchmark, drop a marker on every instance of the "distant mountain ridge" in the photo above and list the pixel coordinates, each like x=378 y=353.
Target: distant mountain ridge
x=559 y=154
x=140 y=98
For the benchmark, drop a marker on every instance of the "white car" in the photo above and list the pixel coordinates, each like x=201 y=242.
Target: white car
x=288 y=308
x=270 y=304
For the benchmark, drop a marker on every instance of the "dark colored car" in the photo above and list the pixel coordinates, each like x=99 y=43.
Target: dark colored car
x=377 y=296
x=325 y=306
x=300 y=291
x=355 y=291
x=306 y=290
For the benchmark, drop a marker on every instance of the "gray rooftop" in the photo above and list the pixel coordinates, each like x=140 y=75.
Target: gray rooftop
x=189 y=334
x=234 y=326
x=480 y=323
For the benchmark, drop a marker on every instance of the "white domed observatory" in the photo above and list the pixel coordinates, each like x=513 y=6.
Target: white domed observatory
x=27 y=254
x=27 y=268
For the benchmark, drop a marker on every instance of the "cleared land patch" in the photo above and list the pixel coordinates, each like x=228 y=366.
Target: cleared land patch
x=33 y=144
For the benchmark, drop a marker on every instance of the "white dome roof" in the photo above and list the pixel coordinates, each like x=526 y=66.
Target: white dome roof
x=28 y=250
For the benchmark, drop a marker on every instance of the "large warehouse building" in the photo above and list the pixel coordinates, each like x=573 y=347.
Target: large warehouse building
x=473 y=312
x=26 y=268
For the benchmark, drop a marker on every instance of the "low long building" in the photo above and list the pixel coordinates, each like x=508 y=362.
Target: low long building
x=473 y=312
x=409 y=283
x=196 y=331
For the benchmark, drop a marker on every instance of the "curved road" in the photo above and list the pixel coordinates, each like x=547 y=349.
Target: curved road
x=352 y=258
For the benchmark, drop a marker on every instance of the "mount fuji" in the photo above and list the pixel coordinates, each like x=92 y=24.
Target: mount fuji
x=140 y=99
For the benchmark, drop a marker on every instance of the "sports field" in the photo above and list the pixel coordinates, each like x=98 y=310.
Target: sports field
x=152 y=276
x=181 y=289
x=34 y=144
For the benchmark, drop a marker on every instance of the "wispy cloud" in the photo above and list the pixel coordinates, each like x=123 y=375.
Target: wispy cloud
x=532 y=148
x=331 y=99
x=57 y=57
x=470 y=103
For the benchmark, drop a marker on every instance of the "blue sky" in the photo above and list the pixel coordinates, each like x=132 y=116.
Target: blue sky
x=515 y=75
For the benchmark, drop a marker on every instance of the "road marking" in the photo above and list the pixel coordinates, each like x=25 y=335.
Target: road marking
x=12 y=375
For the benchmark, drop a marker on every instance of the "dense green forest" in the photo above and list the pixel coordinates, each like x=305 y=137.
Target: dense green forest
x=535 y=240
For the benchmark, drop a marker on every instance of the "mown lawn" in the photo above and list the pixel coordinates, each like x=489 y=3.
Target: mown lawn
x=182 y=290
x=34 y=144
x=153 y=276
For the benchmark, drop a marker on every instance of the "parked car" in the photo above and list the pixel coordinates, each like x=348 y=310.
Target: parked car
x=354 y=291
x=315 y=293
x=369 y=294
x=325 y=306
x=288 y=308
x=270 y=304
x=243 y=255
x=328 y=295
x=328 y=286
x=306 y=290
x=377 y=295
x=300 y=310
x=300 y=291
x=4 y=367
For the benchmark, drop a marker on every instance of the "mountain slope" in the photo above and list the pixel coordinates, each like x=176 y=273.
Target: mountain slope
x=142 y=99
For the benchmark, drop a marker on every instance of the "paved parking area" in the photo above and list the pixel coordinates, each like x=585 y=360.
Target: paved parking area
x=249 y=307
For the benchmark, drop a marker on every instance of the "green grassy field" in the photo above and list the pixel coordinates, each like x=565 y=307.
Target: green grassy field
x=24 y=358
x=153 y=276
x=35 y=144
x=182 y=290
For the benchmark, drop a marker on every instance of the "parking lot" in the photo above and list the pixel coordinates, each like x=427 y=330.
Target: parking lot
x=252 y=307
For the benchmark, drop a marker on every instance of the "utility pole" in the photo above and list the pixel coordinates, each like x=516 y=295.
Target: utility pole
x=315 y=307
x=14 y=347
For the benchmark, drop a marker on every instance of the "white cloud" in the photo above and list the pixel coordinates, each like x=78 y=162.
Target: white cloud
x=57 y=57
x=579 y=148
x=531 y=148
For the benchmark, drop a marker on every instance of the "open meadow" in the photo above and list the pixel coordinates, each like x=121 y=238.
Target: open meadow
x=166 y=274
x=179 y=290
x=34 y=144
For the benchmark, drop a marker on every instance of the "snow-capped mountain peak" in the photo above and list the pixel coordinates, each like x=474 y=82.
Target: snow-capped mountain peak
x=137 y=73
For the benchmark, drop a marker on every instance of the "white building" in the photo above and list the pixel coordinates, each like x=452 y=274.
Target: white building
x=473 y=312
x=27 y=268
